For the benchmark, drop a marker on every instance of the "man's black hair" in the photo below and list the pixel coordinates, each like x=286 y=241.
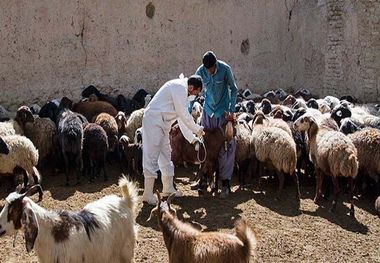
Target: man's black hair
x=196 y=81
x=209 y=59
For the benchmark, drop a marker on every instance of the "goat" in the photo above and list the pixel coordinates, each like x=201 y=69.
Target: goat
x=187 y=244
x=103 y=231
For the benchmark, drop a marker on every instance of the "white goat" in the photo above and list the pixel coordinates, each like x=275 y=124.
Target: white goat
x=104 y=231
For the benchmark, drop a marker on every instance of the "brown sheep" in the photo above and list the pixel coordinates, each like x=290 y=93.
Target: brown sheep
x=108 y=123
x=91 y=109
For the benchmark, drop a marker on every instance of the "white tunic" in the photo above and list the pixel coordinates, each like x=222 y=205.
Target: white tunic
x=168 y=104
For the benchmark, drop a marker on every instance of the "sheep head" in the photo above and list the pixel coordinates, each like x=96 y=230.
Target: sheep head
x=24 y=115
x=289 y=100
x=121 y=120
x=304 y=123
x=163 y=207
x=266 y=106
x=18 y=214
x=258 y=118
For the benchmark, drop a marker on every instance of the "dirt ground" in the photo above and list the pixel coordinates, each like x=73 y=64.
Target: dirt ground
x=287 y=234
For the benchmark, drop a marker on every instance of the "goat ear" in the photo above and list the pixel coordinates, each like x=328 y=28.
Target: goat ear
x=30 y=225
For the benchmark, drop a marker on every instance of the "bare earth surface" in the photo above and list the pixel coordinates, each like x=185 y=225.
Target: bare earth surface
x=287 y=234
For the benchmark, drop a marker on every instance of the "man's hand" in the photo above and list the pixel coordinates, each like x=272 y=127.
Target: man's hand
x=200 y=132
x=230 y=116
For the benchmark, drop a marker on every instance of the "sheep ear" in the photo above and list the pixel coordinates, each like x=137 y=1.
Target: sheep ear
x=30 y=225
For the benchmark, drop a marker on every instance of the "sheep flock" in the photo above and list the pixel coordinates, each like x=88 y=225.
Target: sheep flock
x=296 y=139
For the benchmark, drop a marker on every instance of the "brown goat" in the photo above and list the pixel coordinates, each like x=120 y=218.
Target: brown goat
x=187 y=244
x=183 y=151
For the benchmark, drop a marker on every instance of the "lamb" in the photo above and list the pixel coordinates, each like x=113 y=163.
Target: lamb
x=19 y=152
x=108 y=123
x=332 y=153
x=133 y=155
x=274 y=146
x=186 y=244
x=103 y=231
x=95 y=146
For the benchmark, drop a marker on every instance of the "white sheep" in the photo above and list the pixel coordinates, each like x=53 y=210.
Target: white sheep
x=22 y=153
x=196 y=112
x=332 y=153
x=187 y=244
x=103 y=231
x=134 y=122
x=16 y=125
x=274 y=146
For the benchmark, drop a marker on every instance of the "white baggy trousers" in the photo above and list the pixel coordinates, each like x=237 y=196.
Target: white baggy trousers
x=156 y=145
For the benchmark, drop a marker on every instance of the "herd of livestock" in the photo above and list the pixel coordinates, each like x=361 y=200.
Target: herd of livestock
x=334 y=140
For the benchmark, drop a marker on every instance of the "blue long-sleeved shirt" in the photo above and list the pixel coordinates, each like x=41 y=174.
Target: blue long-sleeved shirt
x=220 y=89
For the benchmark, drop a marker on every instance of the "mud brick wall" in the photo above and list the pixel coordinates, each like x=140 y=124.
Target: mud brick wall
x=54 y=48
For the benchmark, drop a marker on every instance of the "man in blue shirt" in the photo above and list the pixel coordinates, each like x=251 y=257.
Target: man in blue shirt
x=219 y=106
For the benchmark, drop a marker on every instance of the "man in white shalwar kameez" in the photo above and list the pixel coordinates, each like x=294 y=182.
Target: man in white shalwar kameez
x=169 y=104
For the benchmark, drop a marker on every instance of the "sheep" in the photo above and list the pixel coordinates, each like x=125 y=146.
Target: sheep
x=16 y=126
x=332 y=153
x=196 y=112
x=95 y=146
x=70 y=136
x=138 y=136
x=304 y=93
x=265 y=106
x=133 y=155
x=134 y=122
x=19 y=152
x=295 y=103
x=367 y=143
x=121 y=121
x=42 y=132
x=274 y=146
x=108 y=123
x=92 y=109
x=103 y=231
x=243 y=151
x=187 y=244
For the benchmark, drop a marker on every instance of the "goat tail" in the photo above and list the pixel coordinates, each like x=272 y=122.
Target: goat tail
x=129 y=191
x=247 y=235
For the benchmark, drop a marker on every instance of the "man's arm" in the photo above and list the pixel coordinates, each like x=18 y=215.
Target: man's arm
x=180 y=106
x=233 y=87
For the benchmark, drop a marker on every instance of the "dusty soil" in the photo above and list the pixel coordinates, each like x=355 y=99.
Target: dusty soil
x=287 y=234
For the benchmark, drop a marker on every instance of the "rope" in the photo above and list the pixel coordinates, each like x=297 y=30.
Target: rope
x=201 y=142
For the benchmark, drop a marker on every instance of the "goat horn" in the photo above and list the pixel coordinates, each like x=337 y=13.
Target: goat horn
x=158 y=196
x=151 y=213
x=33 y=190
